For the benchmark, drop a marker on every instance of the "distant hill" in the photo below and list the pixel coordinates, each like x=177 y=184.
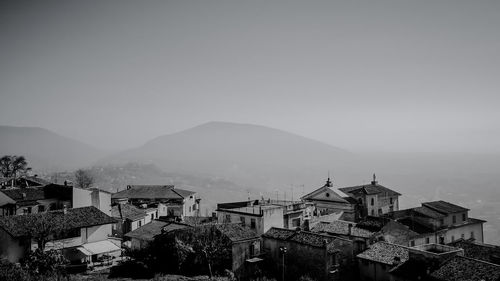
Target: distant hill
x=46 y=150
x=249 y=155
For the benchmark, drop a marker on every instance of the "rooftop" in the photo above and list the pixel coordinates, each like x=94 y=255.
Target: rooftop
x=149 y=231
x=18 y=226
x=428 y=212
x=342 y=228
x=236 y=232
x=444 y=207
x=127 y=211
x=369 y=189
x=462 y=268
x=477 y=250
x=152 y=192
x=303 y=237
x=385 y=253
x=39 y=193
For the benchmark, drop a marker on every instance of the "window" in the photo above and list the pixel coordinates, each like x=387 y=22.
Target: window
x=372 y=201
x=296 y=222
x=152 y=216
x=140 y=223
x=472 y=234
x=27 y=210
x=252 y=223
x=412 y=243
x=454 y=219
x=242 y=220
x=390 y=200
x=156 y=214
x=441 y=221
x=190 y=209
x=452 y=238
x=41 y=208
x=227 y=219
x=463 y=236
x=327 y=194
x=373 y=212
x=380 y=212
x=464 y=217
x=427 y=240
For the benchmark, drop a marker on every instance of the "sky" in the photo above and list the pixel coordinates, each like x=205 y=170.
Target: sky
x=402 y=76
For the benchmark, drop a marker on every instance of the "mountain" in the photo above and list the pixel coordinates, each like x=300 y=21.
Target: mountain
x=46 y=150
x=249 y=155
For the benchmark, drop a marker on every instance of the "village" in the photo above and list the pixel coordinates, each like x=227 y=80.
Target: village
x=331 y=233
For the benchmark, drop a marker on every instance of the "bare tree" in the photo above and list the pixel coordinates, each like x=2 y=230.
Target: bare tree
x=13 y=166
x=84 y=178
x=42 y=227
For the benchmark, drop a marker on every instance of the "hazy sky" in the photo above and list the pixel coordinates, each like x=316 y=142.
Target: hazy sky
x=383 y=75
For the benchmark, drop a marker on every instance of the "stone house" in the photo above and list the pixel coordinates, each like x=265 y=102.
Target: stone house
x=373 y=199
x=83 y=237
x=128 y=218
x=32 y=200
x=141 y=238
x=296 y=253
x=439 y=222
x=261 y=215
x=167 y=199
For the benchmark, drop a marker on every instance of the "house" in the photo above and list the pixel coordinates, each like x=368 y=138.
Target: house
x=439 y=222
x=167 y=199
x=261 y=215
x=373 y=199
x=141 y=237
x=83 y=197
x=243 y=243
x=128 y=218
x=296 y=253
x=360 y=237
x=32 y=200
x=375 y=263
x=328 y=200
x=464 y=268
x=83 y=237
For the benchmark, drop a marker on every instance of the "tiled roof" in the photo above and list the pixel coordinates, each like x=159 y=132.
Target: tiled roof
x=149 y=231
x=415 y=225
x=341 y=228
x=461 y=269
x=236 y=232
x=373 y=188
x=384 y=252
x=74 y=218
x=476 y=250
x=279 y=233
x=24 y=194
x=302 y=237
x=444 y=207
x=311 y=239
x=127 y=211
x=39 y=193
x=428 y=212
x=152 y=192
x=373 y=224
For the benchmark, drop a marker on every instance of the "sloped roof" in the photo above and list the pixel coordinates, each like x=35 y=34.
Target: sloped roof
x=127 y=211
x=149 y=231
x=477 y=250
x=428 y=212
x=384 y=252
x=462 y=268
x=303 y=237
x=335 y=195
x=152 y=192
x=24 y=194
x=236 y=232
x=17 y=226
x=415 y=225
x=370 y=189
x=341 y=228
x=279 y=233
x=444 y=207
